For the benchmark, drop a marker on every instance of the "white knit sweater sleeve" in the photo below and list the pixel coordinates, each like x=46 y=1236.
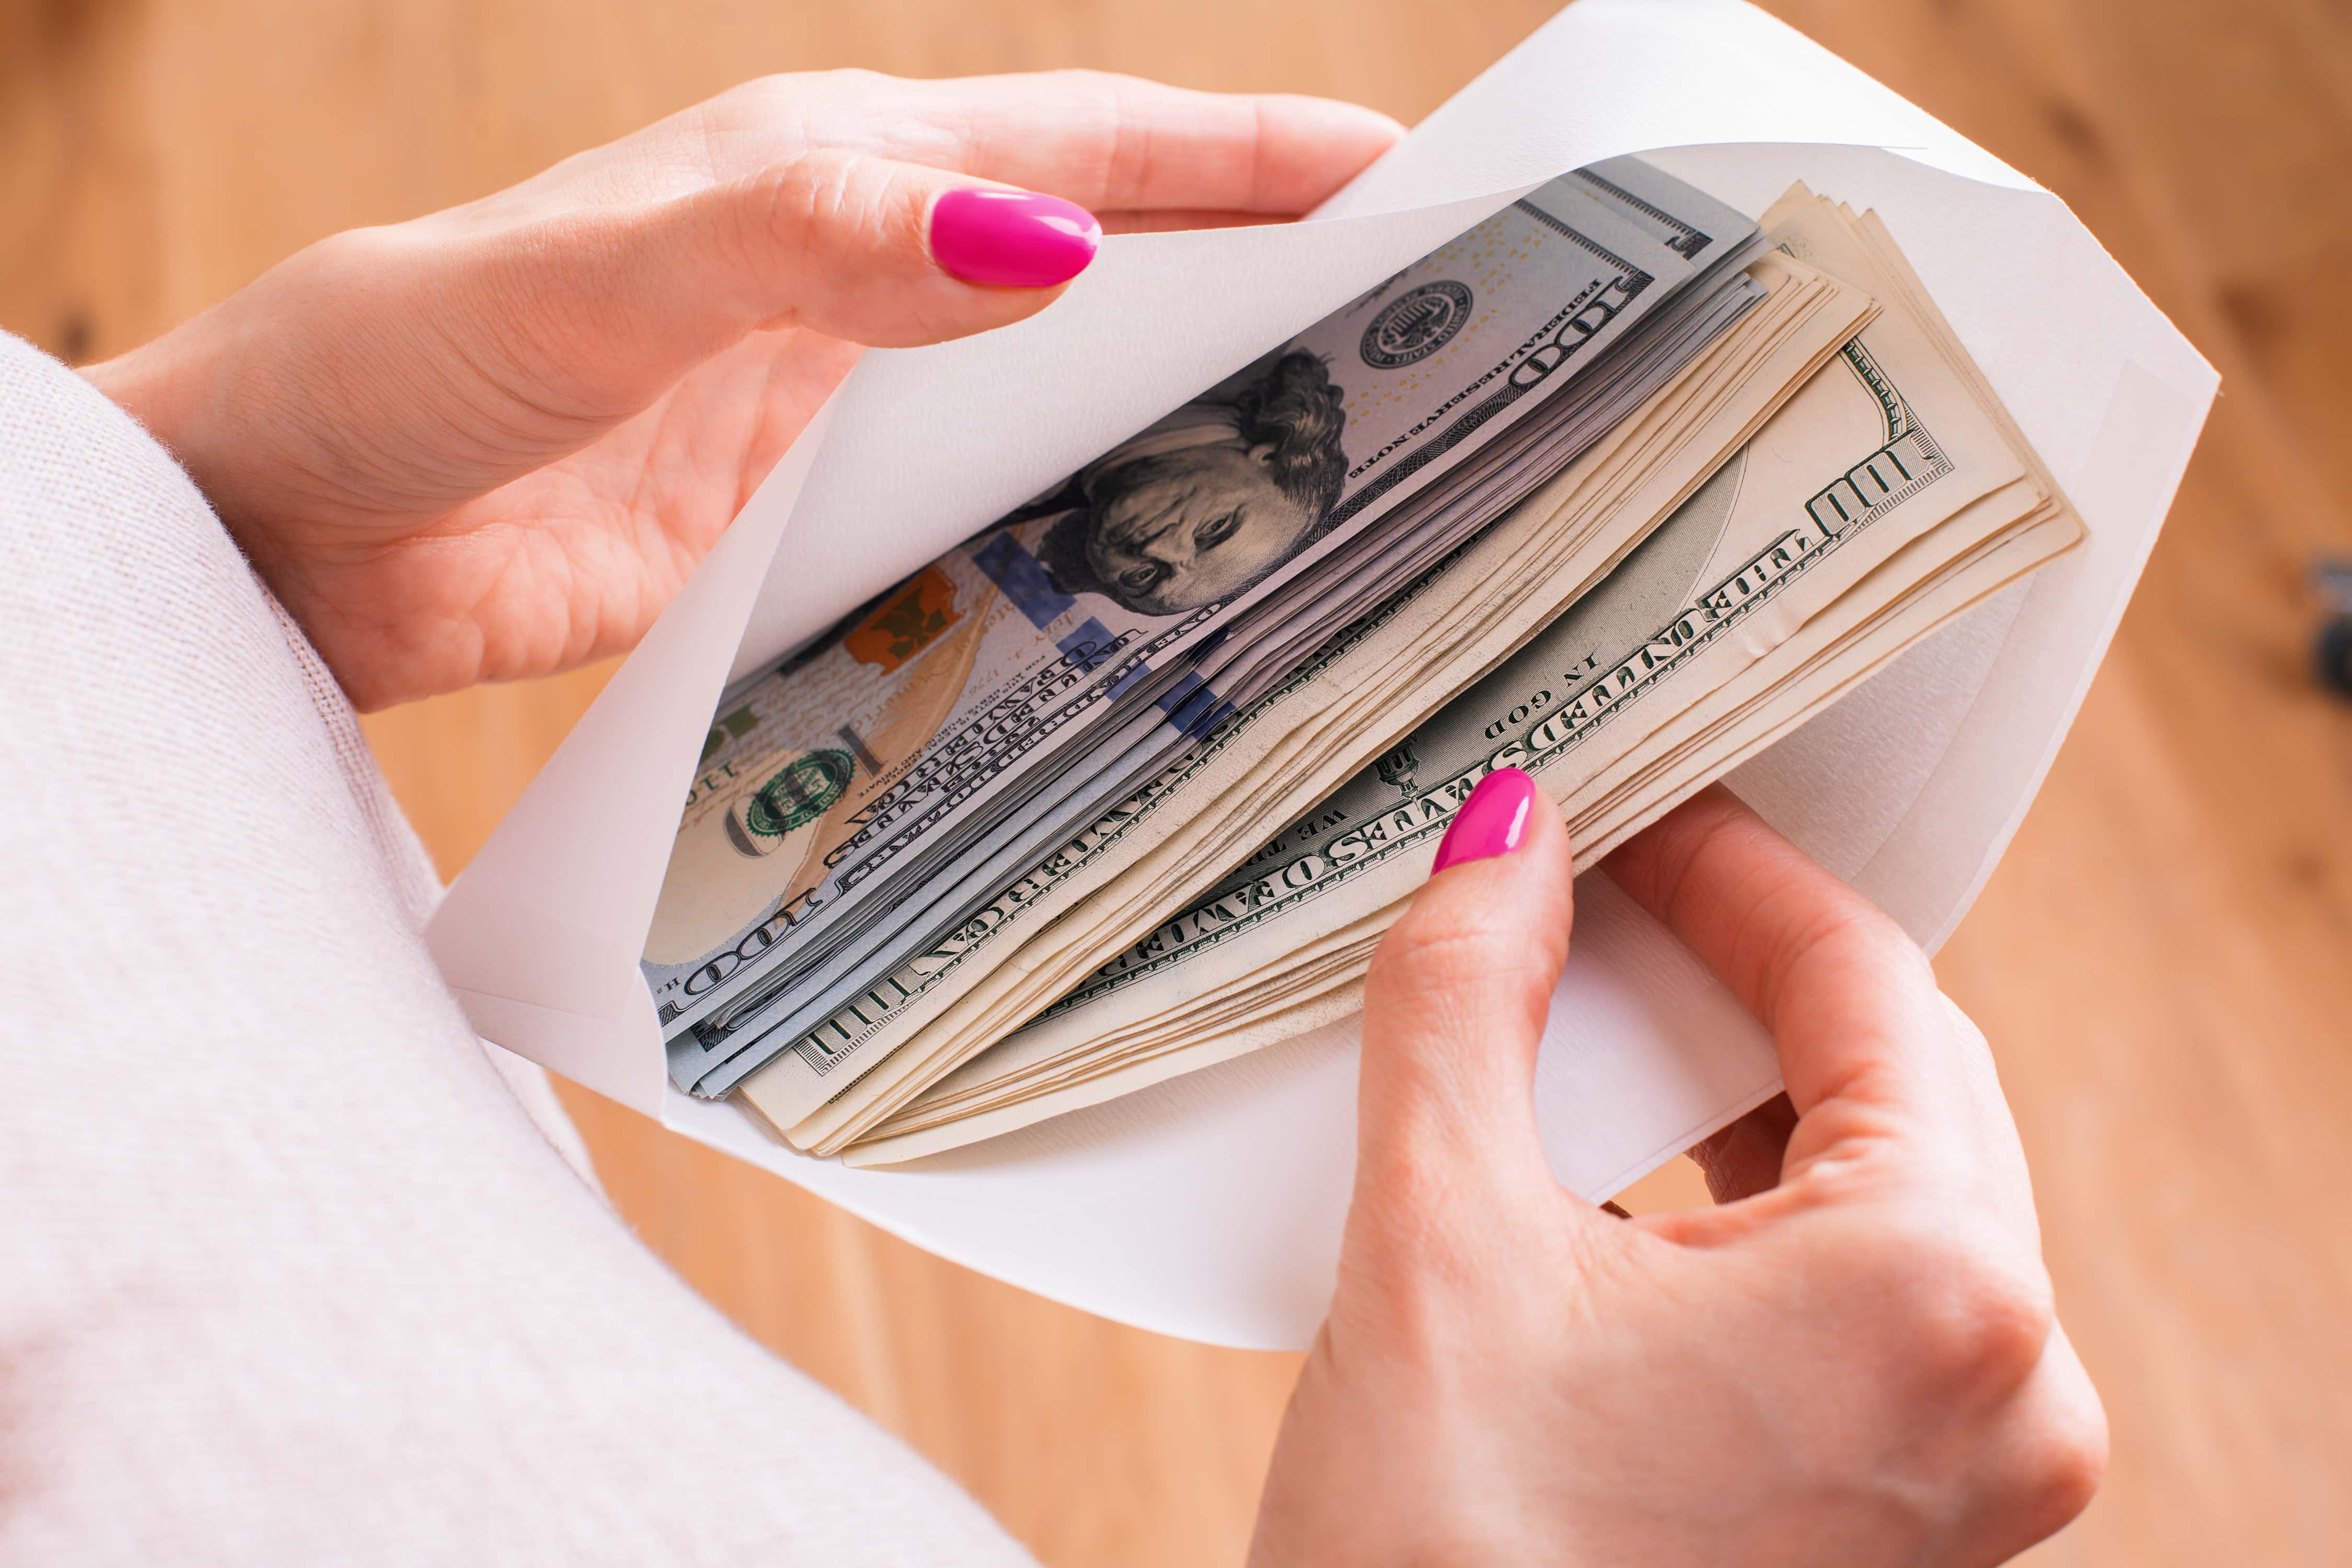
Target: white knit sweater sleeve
x=287 y=1275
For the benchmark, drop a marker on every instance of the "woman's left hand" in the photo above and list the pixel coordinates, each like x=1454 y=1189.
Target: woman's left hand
x=491 y=443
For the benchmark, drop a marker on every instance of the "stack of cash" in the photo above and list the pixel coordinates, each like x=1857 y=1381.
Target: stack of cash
x=866 y=799
x=1615 y=487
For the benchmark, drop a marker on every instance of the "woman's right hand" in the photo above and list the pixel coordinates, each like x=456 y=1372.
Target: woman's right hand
x=1853 y=1360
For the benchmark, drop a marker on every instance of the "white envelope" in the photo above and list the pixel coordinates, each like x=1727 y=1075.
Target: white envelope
x=1209 y=1207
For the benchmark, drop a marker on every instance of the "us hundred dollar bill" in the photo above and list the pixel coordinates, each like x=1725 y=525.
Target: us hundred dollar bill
x=1856 y=467
x=950 y=702
x=1099 y=889
x=1888 y=494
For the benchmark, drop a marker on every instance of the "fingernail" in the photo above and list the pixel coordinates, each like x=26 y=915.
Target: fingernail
x=1492 y=822
x=1011 y=239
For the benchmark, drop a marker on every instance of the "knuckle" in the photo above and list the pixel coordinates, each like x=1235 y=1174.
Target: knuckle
x=2077 y=1462
x=1858 y=932
x=1395 y=1302
x=808 y=192
x=1428 y=1233
x=1102 y=95
x=1478 y=933
x=1102 y=107
x=772 y=227
x=778 y=213
x=1979 y=1317
x=768 y=235
x=1883 y=939
x=1434 y=928
x=1406 y=1237
x=1988 y=1335
x=1456 y=959
x=835 y=207
x=2072 y=1464
x=1406 y=1195
x=2067 y=1456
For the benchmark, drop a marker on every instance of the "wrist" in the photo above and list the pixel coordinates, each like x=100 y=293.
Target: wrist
x=176 y=386
x=150 y=383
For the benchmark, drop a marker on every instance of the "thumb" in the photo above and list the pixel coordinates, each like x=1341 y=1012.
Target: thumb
x=595 y=308
x=859 y=247
x=881 y=252
x=569 y=315
x=1457 y=999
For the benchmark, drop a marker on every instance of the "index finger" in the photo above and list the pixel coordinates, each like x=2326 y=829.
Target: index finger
x=1865 y=1039
x=1111 y=143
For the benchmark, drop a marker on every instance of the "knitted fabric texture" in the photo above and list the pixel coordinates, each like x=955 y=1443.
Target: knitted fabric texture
x=287 y=1273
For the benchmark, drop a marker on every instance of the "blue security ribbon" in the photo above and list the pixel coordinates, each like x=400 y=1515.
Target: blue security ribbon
x=1193 y=708
x=1021 y=578
x=1189 y=704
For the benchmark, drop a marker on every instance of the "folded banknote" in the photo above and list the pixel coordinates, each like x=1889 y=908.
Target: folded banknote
x=1618 y=487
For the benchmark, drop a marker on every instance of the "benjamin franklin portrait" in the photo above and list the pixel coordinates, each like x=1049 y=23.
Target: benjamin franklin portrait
x=1206 y=502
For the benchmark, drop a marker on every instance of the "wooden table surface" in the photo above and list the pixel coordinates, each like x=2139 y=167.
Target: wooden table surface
x=2164 y=962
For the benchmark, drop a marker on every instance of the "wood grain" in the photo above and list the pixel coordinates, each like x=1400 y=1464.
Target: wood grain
x=2164 y=962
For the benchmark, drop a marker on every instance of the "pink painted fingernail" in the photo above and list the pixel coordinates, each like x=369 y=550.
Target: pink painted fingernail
x=1011 y=239
x=1492 y=822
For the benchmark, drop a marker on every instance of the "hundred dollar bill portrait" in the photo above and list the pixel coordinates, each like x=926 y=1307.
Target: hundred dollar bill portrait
x=1194 y=510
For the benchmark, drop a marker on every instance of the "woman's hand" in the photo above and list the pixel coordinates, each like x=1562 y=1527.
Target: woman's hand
x=491 y=443
x=1853 y=1360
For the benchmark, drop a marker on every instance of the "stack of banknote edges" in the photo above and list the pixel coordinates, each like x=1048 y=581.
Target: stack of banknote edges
x=1619 y=486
